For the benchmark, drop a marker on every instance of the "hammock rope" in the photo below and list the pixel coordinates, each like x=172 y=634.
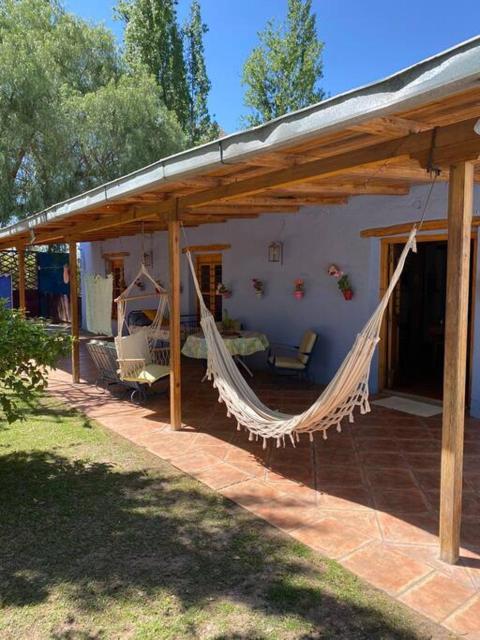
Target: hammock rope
x=347 y=390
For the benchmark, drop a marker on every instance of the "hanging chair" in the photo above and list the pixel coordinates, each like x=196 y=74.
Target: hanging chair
x=347 y=390
x=142 y=354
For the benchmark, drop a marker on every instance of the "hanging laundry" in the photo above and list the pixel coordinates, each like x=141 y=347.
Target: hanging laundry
x=98 y=303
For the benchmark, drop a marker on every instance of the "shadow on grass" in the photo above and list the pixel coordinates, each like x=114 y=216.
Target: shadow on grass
x=103 y=535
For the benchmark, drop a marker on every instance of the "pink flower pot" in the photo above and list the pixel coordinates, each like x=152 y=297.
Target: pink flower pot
x=298 y=294
x=348 y=294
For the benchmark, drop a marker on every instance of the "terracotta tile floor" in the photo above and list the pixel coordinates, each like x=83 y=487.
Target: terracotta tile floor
x=368 y=497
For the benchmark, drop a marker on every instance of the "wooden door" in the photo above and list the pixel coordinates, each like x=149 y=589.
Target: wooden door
x=209 y=274
x=116 y=267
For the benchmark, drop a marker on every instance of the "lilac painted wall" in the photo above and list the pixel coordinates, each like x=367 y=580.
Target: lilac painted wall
x=313 y=239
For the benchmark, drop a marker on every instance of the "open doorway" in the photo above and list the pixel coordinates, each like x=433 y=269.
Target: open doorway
x=414 y=332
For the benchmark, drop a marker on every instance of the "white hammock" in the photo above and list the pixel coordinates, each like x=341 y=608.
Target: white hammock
x=347 y=390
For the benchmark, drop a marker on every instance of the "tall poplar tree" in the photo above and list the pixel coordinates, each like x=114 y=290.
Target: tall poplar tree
x=282 y=73
x=153 y=39
x=201 y=128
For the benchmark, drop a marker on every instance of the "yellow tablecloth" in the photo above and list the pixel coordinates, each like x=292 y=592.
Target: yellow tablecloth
x=244 y=344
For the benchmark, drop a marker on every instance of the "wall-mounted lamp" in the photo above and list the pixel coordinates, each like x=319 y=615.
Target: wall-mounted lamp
x=275 y=252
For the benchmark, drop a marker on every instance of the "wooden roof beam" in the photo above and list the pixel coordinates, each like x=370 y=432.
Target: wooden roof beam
x=229 y=209
x=282 y=200
x=311 y=189
x=391 y=126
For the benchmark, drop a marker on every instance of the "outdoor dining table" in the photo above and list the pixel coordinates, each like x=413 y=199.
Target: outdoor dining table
x=239 y=344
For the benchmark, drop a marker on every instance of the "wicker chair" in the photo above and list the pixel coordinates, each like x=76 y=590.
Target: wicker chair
x=105 y=358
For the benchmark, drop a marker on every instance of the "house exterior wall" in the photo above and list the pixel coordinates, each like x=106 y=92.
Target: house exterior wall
x=313 y=239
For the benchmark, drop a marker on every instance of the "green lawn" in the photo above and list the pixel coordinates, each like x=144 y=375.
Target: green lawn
x=101 y=540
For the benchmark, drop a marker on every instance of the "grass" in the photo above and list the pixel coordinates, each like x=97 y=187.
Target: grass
x=101 y=540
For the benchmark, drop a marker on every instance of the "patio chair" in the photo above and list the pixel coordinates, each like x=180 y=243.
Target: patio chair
x=105 y=357
x=293 y=360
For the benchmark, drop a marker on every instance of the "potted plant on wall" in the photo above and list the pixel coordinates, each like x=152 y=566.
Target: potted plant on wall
x=299 y=290
x=342 y=281
x=223 y=290
x=258 y=287
x=345 y=287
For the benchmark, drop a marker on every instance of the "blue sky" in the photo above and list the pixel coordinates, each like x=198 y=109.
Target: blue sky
x=364 y=40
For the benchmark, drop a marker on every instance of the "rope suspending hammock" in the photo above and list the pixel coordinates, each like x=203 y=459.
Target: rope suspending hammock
x=347 y=390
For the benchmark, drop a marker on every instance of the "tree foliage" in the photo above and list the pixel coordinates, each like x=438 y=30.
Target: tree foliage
x=119 y=128
x=42 y=50
x=27 y=350
x=201 y=128
x=65 y=96
x=282 y=73
x=153 y=39
x=175 y=57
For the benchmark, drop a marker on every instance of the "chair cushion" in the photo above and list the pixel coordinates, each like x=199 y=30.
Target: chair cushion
x=286 y=362
x=150 y=314
x=306 y=346
x=149 y=374
x=134 y=346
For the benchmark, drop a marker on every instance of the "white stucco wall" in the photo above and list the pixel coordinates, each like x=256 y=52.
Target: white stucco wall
x=313 y=239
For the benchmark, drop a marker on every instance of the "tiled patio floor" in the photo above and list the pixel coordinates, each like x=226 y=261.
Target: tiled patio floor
x=368 y=497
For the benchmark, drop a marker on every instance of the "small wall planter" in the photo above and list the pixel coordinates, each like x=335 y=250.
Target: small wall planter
x=299 y=290
x=224 y=291
x=258 y=287
x=343 y=282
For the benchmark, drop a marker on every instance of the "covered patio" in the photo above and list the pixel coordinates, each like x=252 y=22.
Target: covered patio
x=368 y=497
x=389 y=479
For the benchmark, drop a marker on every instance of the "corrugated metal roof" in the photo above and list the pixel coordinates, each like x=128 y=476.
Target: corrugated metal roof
x=445 y=74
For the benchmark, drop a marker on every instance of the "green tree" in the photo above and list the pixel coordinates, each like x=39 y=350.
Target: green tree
x=71 y=116
x=282 y=73
x=27 y=351
x=153 y=39
x=201 y=128
x=43 y=49
x=119 y=128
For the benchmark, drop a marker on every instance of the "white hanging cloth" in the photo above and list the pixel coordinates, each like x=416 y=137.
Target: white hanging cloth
x=98 y=303
x=346 y=391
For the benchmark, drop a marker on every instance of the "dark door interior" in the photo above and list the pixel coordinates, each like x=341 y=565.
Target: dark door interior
x=417 y=326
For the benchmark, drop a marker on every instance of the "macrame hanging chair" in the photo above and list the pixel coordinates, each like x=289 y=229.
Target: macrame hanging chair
x=347 y=391
x=139 y=356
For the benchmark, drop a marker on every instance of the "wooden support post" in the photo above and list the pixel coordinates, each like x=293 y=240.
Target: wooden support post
x=22 y=299
x=72 y=251
x=175 y=354
x=460 y=204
